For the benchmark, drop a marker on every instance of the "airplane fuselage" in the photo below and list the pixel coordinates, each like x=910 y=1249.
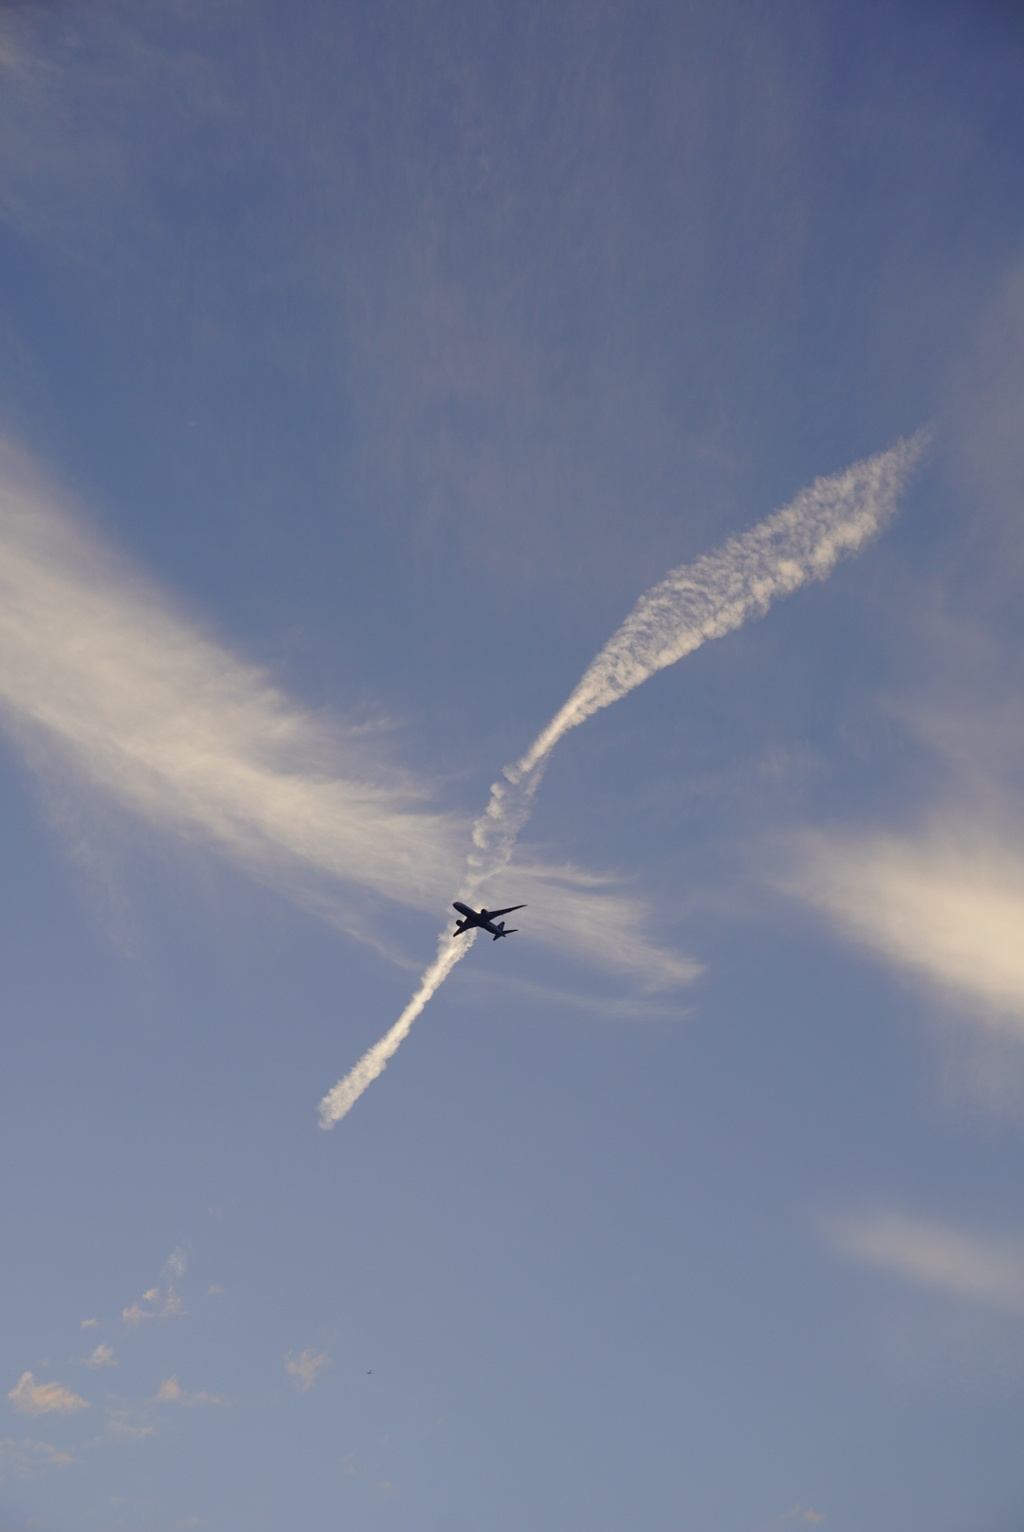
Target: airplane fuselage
x=483 y=920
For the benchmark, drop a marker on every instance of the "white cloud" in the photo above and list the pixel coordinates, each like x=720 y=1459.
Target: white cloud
x=103 y=1356
x=33 y=1398
x=989 y=1272
x=305 y=1368
x=89 y=1324
x=950 y=909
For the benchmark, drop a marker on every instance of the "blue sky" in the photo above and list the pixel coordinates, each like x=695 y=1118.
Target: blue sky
x=361 y=367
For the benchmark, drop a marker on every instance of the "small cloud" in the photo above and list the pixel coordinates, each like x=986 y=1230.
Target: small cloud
x=797 y=1513
x=176 y=1264
x=27 y=1459
x=305 y=1368
x=127 y=1422
x=154 y=1304
x=103 y=1356
x=33 y=1398
x=214 y=1291
x=89 y=1324
x=171 y=1392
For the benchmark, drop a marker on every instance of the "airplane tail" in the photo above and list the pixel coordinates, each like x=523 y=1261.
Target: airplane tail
x=502 y=932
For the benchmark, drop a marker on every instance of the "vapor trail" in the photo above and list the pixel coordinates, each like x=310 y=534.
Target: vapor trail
x=696 y=602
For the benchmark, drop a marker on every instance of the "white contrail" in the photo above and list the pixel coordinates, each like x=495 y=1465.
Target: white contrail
x=696 y=602
x=347 y=1091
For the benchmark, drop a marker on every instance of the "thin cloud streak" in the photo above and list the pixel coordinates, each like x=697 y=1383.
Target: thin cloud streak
x=934 y=1255
x=949 y=907
x=177 y=728
x=697 y=602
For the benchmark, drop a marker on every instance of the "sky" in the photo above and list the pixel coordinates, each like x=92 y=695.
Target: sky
x=571 y=454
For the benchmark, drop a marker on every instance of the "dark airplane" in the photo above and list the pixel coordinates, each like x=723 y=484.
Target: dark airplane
x=487 y=920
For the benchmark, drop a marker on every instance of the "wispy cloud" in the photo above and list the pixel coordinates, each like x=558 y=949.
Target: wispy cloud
x=127 y=1420
x=949 y=908
x=581 y=914
x=33 y=1398
x=798 y=1513
x=693 y=604
x=156 y=1303
x=103 y=1356
x=176 y=1264
x=171 y=1392
x=305 y=1368
x=151 y=710
x=26 y=1459
x=934 y=1255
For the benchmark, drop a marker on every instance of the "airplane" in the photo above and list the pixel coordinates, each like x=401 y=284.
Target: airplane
x=486 y=920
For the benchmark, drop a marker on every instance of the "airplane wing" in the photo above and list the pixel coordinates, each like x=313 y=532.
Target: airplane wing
x=493 y=914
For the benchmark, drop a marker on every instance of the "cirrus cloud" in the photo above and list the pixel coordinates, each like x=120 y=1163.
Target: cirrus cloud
x=947 y=908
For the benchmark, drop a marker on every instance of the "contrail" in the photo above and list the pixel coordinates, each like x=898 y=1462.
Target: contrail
x=694 y=603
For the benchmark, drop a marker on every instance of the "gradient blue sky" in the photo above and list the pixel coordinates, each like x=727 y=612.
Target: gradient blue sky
x=360 y=366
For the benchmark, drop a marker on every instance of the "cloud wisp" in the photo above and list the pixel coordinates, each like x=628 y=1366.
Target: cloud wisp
x=94 y=661
x=948 y=908
x=28 y=1458
x=934 y=1255
x=155 y=1303
x=305 y=1369
x=697 y=602
x=171 y=1392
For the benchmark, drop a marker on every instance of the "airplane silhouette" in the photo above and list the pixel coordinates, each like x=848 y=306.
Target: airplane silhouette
x=486 y=920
